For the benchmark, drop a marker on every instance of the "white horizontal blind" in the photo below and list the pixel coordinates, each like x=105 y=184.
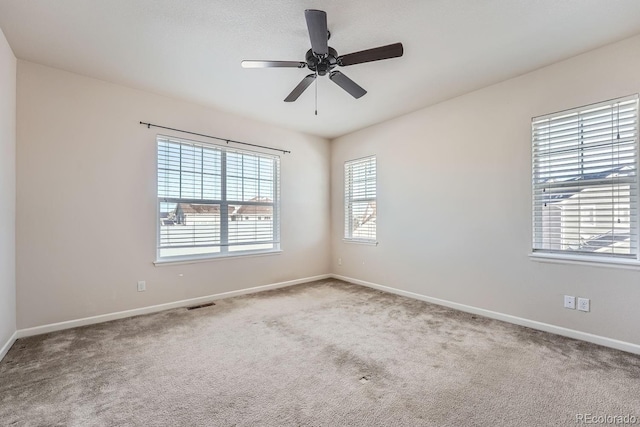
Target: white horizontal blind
x=360 y=208
x=215 y=200
x=251 y=192
x=585 y=183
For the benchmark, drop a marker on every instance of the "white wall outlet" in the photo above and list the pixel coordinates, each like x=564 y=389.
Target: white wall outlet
x=142 y=286
x=584 y=304
x=569 y=302
x=339 y=261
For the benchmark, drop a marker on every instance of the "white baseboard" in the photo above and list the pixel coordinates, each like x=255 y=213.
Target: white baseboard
x=546 y=327
x=21 y=333
x=7 y=346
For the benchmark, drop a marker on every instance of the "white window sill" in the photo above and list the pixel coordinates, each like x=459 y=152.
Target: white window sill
x=193 y=260
x=592 y=261
x=361 y=242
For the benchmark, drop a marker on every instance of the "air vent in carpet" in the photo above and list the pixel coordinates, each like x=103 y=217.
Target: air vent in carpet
x=195 y=307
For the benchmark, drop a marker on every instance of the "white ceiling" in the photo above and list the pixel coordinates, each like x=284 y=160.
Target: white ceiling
x=192 y=49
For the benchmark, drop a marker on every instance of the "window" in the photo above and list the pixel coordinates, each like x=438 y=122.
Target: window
x=585 y=183
x=360 y=200
x=215 y=201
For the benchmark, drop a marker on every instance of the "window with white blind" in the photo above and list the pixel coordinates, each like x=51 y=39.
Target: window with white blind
x=360 y=200
x=215 y=201
x=585 y=182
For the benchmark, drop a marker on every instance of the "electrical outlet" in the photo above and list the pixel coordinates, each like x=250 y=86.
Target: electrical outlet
x=142 y=286
x=569 y=302
x=584 y=304
x=339 y=261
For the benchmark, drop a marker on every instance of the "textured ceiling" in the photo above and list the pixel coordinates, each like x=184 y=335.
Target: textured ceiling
x=193 y=49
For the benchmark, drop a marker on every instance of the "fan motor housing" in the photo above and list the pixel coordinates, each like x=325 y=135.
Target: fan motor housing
x=322 y=64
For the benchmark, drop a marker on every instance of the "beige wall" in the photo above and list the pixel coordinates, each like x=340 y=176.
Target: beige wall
x=7 y=191
x=453 y=213
x=86 y=204
x=454 y=208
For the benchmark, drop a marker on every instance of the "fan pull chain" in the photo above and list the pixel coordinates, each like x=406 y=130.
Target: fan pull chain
x=316 y=92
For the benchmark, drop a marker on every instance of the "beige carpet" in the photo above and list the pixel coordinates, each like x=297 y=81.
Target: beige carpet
x=321 y=354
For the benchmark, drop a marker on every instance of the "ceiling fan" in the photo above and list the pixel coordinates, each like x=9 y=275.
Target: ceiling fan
x=322 y=59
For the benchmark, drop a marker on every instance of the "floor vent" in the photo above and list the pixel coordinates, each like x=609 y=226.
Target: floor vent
x=195 y=307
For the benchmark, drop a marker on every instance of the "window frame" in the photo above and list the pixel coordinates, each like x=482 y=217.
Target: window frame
x=223 y=203
x=583 y=257
x=348 y=202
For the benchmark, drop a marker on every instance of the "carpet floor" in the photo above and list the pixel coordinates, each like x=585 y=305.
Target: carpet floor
x=325 y=353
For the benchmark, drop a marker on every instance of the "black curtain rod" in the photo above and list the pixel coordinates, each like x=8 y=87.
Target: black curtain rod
x=148 y=125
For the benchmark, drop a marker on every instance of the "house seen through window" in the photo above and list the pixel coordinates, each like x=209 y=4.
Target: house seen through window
x=585 y=183
x=215 y=201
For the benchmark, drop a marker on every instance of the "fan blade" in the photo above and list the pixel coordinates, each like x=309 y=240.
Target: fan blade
x=376 y=54
x=273 y=64
x=317 y=25
x=347 y=84
x=304 y=84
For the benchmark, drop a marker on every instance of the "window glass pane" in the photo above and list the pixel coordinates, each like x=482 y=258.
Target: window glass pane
x=585 y=190
x=266 y=169
x=360 y=199
x=250 y=189
x=363 y=220
x=211 y=187
x=266 y=189
x=189 y=229
x=198 y=217
x=249 y=166
x=250 y=224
